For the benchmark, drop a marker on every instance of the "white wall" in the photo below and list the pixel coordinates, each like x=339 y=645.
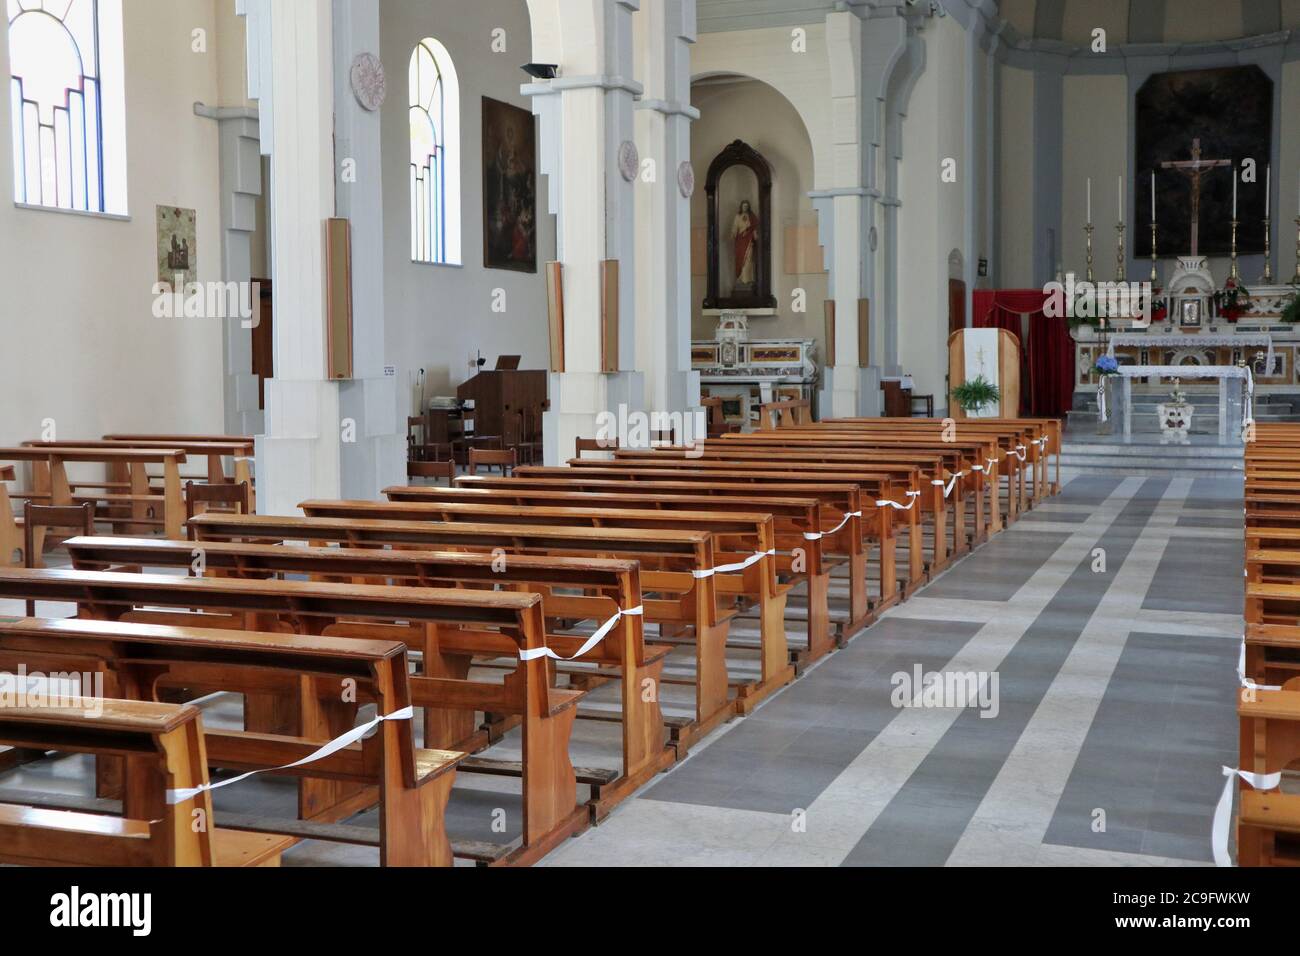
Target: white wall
x=438 y=316
x=80 y=341
x=931 y=218
x=762 y=117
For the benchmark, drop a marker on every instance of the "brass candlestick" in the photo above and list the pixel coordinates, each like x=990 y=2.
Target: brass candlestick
x=1267 y=277
x=1088 y=232
x=1233 y=272
x=1120 y=265
x=1155 y=277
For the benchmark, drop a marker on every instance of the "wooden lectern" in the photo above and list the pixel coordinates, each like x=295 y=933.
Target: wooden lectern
x=504 y=400
x=996 y=354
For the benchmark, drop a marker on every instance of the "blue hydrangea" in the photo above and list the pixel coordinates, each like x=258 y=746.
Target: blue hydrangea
x=1107 y=365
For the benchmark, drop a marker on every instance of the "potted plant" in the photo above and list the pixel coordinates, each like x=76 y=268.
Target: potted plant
x=1292 y=311
x=974 y=395
x=1105 y=368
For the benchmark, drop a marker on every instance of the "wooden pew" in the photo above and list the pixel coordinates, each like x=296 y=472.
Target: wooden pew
x=607 y=587
x=668 y=560
x=240 y=451
x=839 y=504
x=942 y=481
x=737 y=537
x=874 y=487
x=411 y=785
x=431 y=620
x=11 y=534
x=51 y=484
x=798 y=528
x=1268 y=826
x=163 y=749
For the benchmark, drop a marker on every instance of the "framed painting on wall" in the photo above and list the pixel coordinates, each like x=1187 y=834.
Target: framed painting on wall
x=509 y=187
x=178 y=250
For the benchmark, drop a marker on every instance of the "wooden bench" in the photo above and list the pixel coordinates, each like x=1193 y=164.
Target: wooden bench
x=427 y=618
x=412 y=785
x=11 y=535
x=839 y=504
x=798 y=533
x=668 y=562
x=739 y=537
x=162 y=748
x=50 y=483
x=1268 y=825
x=606 y=586
x=874 y=487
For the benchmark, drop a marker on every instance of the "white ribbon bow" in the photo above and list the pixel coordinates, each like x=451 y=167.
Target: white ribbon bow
x=738 y=566
x=1223 y=811
x=818 y=535
x=598 y=636
x=947 y=489
x=894 y=504
x=334 y=746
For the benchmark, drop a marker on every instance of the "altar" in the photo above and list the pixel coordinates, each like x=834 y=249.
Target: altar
x=1235 y=399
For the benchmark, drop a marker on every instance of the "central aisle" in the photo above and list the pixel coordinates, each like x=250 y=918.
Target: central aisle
x=1104 y=743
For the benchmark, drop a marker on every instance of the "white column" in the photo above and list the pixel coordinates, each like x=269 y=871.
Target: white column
x=374 y=457
x=585 y=115
x=845 y=206
x=298 y=456
x=664 y=31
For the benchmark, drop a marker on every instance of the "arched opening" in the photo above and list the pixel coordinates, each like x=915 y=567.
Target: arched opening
x=434 y=101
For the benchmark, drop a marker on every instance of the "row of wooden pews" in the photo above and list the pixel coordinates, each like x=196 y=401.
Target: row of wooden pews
x=1268 y=823
x=502 y=611
x=140 y=488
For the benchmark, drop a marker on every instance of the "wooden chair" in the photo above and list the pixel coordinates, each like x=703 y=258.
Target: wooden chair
x=415 y=444
x=718 y=425
x=530 y=437
x=236 y=498
x=431 y=469
x=68 y=517
x=928 y=401
x=164 y=749
x=593 y=444
x=507 y=460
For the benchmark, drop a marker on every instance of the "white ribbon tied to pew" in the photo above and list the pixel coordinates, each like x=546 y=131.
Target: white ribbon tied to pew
x=329 y=749
x=894 y=504
x=1019 y=452
x=947 y=489
x=596 y=637
x=818 y=535
x=1223 y=812
x=738 y=566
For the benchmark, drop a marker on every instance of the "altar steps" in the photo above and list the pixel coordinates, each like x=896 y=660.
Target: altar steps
x=1147 y=458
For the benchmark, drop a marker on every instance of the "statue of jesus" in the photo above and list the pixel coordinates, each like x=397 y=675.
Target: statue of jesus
x=744 y=231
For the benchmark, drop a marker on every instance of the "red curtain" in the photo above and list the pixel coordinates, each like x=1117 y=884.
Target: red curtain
x=1047 y=350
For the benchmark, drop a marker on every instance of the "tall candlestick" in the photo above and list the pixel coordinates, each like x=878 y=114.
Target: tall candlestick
x=1090 y=200
x=1233 y=270
x=1153 y=195
x=1121 y=264
x=1267 y=277
x=1234 y=193
x=1087 y=231
x=1155 y=276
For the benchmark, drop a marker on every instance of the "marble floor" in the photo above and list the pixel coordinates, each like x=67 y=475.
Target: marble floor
x=1095 y=642
x=1086 y=660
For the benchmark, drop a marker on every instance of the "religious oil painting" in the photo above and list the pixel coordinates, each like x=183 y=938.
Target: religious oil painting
x=509 y=187
x=178 y=253
x=1226 y=116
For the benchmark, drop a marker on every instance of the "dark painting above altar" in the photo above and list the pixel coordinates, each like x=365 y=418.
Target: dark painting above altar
x=1230 y=111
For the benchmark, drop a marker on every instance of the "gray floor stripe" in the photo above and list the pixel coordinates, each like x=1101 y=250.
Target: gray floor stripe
x=1161 y=731
x=928 y=815
x=784 y=755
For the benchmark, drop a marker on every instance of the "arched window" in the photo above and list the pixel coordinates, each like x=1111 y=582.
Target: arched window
x=66 y=99
x=435 y=155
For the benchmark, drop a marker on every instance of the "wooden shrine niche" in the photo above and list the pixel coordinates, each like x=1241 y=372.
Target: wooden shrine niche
x=739 y=198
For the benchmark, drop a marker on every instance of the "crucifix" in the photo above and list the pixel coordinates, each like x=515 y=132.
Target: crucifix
x=1193 y=169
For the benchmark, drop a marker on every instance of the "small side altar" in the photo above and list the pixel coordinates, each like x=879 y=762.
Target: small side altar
x=748 y=372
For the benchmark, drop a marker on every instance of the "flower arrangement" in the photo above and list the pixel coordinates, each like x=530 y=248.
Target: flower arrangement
x=1178 y=396
x=1106 y=365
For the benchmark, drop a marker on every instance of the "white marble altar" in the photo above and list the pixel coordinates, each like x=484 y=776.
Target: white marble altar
x=1227 y=399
